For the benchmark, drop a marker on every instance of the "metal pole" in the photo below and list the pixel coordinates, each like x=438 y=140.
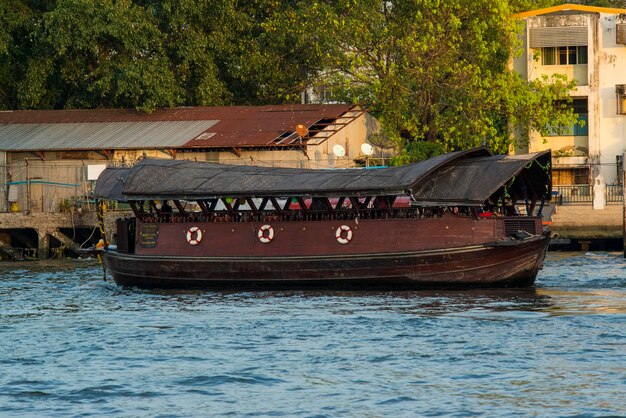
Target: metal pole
x=27 y=186
x=624 y=202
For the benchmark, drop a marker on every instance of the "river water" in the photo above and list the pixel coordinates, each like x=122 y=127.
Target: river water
x=73 y=345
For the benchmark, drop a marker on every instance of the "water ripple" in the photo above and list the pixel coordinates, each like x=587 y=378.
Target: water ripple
x=72 y=345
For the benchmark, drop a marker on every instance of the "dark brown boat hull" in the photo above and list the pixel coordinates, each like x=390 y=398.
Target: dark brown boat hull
x=513 y=263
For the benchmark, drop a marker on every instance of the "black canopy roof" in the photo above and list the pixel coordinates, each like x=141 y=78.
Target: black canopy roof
x=468 y=177
x=475 y=180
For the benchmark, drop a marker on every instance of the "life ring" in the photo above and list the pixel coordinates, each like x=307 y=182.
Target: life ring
x=263 y=237
x=340 y=231
x=190 y=233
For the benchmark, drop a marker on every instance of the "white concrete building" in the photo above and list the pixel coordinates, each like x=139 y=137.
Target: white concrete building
x=587 y=44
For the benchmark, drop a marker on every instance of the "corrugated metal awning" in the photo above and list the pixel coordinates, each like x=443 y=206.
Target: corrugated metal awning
x=100 y=135
x=558 y=36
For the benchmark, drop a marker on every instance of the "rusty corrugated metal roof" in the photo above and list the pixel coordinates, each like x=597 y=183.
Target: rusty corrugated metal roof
x=235 y=126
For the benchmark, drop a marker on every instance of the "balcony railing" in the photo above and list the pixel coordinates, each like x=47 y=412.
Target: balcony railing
x=614 y=193
x=576 y=193
x=583 y=193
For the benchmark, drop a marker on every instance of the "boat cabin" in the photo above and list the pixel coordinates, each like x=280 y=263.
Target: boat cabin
x=509 y=191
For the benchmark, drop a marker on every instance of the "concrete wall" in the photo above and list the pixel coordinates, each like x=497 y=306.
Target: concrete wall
x=611 y=135
x=45 y=185
x=582 y=222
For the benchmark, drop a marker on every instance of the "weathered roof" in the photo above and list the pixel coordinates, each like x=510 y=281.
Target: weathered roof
x=112 y=181
x=100 y=135
x=187 y=127
x=476 y=179
x=568 y=7
x=462 y=177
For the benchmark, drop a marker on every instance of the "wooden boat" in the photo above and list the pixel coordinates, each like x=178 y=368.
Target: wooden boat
x=466 y=218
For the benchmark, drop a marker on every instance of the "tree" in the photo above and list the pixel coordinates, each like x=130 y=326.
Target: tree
x=430 y=70
x=15 y=17
x=518 y=6
x=434 y=71
x=195 y=35
x=277 y=55
x=89 y=53
x=148 y=53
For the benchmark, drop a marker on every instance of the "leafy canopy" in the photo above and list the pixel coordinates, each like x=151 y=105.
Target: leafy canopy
x=146 y=54
x=432 y=71
x=435 y=71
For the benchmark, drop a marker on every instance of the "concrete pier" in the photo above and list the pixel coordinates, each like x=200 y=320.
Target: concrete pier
x=36 y=235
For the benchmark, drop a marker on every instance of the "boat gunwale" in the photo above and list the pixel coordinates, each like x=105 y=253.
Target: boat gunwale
x=404 y=254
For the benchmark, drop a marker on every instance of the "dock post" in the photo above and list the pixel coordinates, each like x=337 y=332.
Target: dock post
x=624 y=202
x=43 y=247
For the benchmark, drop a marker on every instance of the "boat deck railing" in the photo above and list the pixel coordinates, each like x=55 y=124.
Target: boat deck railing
x=291 y=216
x=296 y=216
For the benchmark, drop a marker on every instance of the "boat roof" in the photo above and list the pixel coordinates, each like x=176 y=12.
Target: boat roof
x=461 y=177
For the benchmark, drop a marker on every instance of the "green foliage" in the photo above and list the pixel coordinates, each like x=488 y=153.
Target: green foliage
x=432 y=71
x=526 y=5
x=518 y=6
x=15 y=18
x=280 y=56
x=146 y=54
x=417 y=151
x=194 y=35
x=541 y=105
x=93 y=53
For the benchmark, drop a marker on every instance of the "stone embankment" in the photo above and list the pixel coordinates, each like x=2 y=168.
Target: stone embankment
x=44 y=235
x=52 y=235
x=583 y=222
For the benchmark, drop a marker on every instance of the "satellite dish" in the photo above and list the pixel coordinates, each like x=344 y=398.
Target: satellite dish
x=367 y=149
x=339 y=151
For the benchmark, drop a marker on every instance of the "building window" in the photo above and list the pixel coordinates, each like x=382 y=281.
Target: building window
x=581 y=128
x=563 y=55
x=620 y=92
x=568 y=176
x=621 y=33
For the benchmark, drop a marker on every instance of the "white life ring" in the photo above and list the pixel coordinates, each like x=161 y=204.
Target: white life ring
x=340 y=231
x=190 y=233
x=263 y=237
